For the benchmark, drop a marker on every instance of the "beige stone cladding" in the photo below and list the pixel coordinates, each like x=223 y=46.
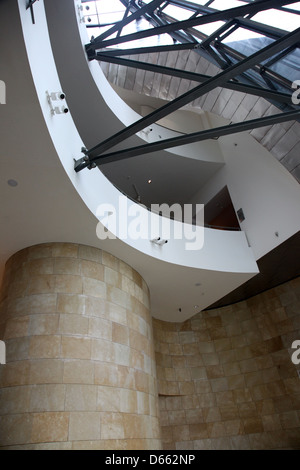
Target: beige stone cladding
x=226 y=377
x=80 y=370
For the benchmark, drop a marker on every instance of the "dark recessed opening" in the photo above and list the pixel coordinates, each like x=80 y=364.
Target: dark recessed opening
x=219 y=212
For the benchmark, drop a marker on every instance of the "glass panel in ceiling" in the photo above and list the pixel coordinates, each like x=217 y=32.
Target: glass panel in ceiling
x=278 y=19
x=246 y=38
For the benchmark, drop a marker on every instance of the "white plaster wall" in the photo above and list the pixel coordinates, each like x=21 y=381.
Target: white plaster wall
x=262 y=187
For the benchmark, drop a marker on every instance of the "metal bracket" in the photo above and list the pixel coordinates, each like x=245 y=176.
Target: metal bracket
x=80 y=13
x=84 y=162
x=30 y=5
x=159 y=241
x=55 y=97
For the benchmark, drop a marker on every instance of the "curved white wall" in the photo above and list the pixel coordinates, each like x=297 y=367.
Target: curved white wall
x=262 y=187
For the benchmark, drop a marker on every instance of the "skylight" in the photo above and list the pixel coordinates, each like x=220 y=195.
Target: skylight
x=253 y=45
x=101 y=14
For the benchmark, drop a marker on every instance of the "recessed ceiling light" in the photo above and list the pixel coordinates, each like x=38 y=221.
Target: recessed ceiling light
x=12 y=183
x=196 y=306
x=149 y=181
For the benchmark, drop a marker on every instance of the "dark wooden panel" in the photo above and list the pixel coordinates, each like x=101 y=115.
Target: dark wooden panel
x=280 y=265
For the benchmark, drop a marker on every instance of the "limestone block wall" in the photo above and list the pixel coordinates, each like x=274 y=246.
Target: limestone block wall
x=80 y=370
x=226 y=379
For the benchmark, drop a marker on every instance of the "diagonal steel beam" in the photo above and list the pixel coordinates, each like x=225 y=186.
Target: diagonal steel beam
x=223 y=49
x=260 y=28
x=280 y=56
x=181 y=36
x=264 y=29
x=196 y=77
x=200 y=90
x=218 y=32
x=154 y=19
x=121 y=26
x=193 y=138
x=150 y=7
x=226 y=50
x=288 y=10
x=145 y=50
x=251 y=8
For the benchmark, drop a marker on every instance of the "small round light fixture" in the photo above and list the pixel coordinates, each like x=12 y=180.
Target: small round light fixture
x=149 y=181
x=12 y=183
x=196 y=306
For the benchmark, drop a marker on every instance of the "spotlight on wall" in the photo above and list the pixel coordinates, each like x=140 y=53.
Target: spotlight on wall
x=241 y=215
x=60 y=110
x=12 y=183
x=53 y=98
x=159 y=241
x=57 y=95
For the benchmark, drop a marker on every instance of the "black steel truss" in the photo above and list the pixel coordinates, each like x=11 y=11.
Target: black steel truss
x=148 y=8
x=251 y=8
x=278 y=96
x=238 y=72
x=193 y=138
x=147 y=50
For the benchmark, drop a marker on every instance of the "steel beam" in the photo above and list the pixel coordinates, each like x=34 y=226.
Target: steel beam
x=232 y=53
x=189 y=139
x=260 y=28
x=180 y=36
x=144 y=50
x=149 y=7
x=155 y=21
x=218 y=32
x=196 y=77
x=264 y=29
x=121 y=26
x=286 y=9
x=223 y=49
x=280 y=56
x=250 y=8
x=200 y=90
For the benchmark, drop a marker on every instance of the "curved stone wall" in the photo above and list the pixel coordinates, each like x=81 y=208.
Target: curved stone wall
x=226 y=378
x=80 y=370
